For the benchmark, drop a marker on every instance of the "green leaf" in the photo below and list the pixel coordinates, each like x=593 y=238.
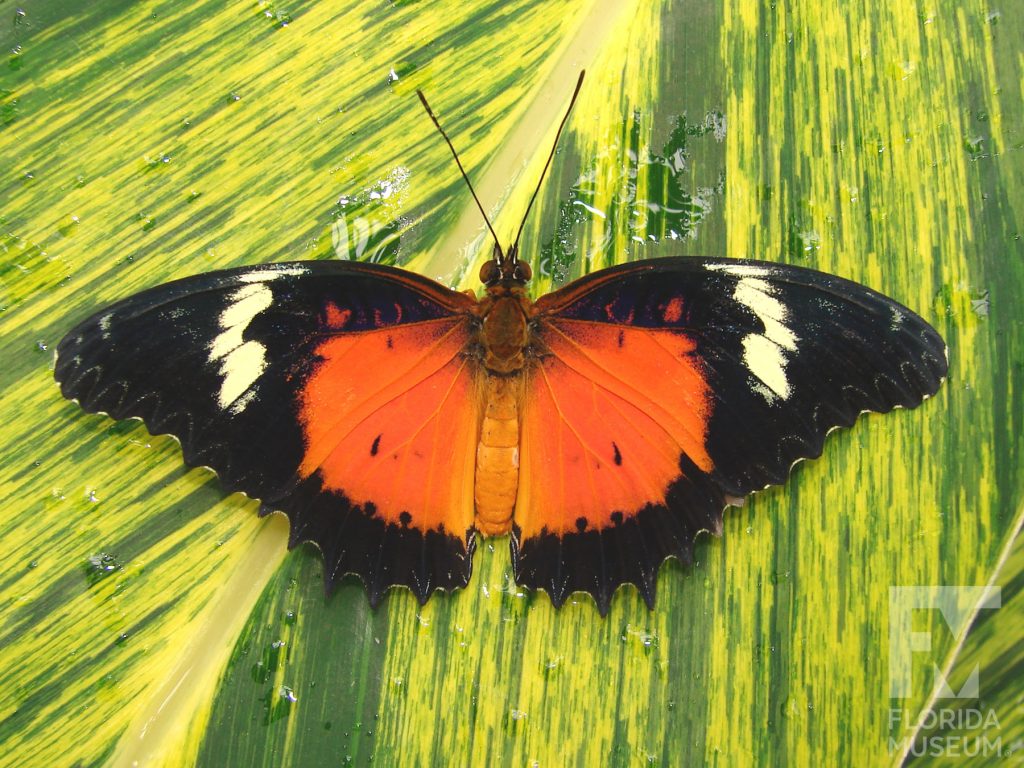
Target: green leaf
x=148 y=616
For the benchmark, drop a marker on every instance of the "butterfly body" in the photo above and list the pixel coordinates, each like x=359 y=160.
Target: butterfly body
x=497 y=456
x=505 y=310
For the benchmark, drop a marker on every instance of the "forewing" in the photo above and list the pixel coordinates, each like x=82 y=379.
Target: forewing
x=336 y=392
x=663 y=389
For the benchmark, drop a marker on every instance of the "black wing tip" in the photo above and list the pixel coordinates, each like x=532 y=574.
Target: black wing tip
x=549 y=562
x=377 y=593
x=560 y=595
x=382 y=556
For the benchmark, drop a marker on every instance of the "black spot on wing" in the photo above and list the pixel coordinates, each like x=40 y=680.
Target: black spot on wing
x=600 y=560
x=355 y=541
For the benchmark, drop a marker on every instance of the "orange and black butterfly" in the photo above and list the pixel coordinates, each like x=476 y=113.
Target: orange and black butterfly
x=602 y=426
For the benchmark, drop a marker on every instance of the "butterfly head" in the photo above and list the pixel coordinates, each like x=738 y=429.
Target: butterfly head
x=505 y=268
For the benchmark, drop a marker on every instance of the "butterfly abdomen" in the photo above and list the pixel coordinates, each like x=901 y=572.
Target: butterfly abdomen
x=497 y=457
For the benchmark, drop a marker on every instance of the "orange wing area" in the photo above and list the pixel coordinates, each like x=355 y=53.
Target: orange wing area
x=391 y=419
x=614 y=465
x=608 y=412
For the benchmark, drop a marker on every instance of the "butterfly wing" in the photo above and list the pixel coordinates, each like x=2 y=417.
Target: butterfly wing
x=663 y=389
x=336 y=392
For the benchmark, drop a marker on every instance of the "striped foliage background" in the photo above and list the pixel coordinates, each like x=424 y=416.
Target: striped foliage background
x=144 y=616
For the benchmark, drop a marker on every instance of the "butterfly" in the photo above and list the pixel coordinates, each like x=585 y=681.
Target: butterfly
x=601 y=426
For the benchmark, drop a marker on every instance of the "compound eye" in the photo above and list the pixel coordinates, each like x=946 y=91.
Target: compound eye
x=522 y=271
x=489 y=272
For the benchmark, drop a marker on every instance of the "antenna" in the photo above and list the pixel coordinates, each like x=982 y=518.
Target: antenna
x=426 y=106
x=514 y=250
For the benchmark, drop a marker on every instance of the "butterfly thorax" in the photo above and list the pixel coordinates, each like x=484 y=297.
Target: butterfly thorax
x=505 y=332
